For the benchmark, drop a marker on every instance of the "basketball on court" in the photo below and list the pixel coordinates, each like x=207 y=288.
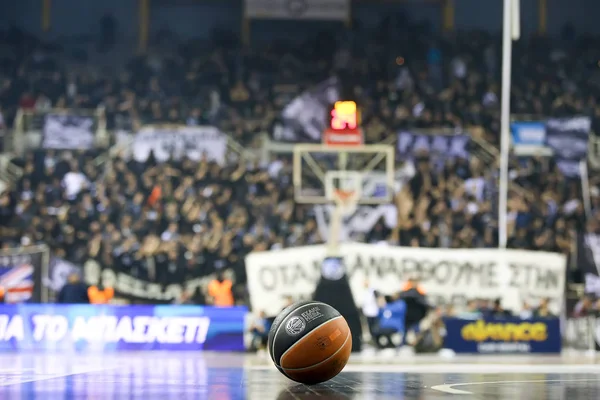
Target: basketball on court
x=310 y=342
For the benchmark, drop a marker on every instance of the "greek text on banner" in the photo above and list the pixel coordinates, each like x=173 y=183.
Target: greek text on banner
x=328 y=10
x=448 y=275
x=105 y=328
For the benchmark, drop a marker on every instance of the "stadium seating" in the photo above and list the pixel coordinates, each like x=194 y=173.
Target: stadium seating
x=207 y=217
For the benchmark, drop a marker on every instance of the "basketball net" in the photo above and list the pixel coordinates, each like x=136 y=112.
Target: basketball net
x=346 y=201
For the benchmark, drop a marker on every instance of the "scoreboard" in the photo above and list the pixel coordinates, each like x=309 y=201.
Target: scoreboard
x=344 y=125
x=344 y=116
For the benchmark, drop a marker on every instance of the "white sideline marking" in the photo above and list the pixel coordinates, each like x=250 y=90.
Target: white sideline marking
x=46 y=377
x=479 y=369
x=450 y=387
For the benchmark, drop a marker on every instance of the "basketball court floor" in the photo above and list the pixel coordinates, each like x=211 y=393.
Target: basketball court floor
x=219 y=376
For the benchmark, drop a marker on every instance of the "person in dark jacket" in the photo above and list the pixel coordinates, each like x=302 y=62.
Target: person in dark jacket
x=74 y=292
x=334 y=289
x=498 y=311
x=417 y=306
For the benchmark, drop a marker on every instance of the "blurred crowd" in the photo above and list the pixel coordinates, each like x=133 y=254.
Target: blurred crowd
x=401 y=76
x=456 y=207
x=157 y=222
x=166 y=222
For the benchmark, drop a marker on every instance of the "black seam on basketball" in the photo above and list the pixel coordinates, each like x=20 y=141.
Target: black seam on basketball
x=284 y=338
x=348 y=336
x=272 y=349
x=300 y=340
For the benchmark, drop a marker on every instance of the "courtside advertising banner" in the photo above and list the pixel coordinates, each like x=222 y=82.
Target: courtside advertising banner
x=507 y=335
x=327 y=10
x=115 y=328
x=450 y=276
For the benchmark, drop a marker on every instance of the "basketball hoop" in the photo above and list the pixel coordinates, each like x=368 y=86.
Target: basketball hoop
x=345 y=201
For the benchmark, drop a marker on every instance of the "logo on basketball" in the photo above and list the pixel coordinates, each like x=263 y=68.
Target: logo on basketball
x=323 y=342
x=295 y=326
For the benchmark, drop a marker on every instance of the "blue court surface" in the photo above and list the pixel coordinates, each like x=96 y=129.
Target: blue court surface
x=224 y=376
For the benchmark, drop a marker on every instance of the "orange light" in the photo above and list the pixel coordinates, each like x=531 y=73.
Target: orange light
x=344 y=115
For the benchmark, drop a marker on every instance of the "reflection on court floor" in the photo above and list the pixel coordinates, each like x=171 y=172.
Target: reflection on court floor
x=183 y=376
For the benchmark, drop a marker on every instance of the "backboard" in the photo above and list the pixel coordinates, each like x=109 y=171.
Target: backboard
x=343 y=171
x=321 y=169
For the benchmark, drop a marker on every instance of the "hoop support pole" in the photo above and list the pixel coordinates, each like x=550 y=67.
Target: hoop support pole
x=335 y=227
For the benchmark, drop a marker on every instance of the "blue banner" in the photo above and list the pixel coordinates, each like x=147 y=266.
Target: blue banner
x=511 y=335
x=115 y=328
x=528 y=133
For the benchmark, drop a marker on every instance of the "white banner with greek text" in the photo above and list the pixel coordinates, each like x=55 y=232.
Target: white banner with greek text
x=450 y=276
x=195 y=143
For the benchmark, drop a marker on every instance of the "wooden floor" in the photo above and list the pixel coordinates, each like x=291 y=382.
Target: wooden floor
x=183 y=376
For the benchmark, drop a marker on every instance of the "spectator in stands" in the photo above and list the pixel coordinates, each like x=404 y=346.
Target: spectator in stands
x=391 y=321
x=74 y=291
x=584 y=307
x=197 y=297
x=97 y=295
x=220 y=291
x=370 y=307
x=472 y=311
x=416 y=305
x=259 y=328
x=431 y=339
x=526 y=312
x=542 y=311
x=166 y=221
x=498 y=312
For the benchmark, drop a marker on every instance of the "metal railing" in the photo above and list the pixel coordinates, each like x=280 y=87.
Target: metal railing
x=10 y=173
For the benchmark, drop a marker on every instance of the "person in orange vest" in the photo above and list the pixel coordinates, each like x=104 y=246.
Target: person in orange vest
x=100 y=296
x=219 y=291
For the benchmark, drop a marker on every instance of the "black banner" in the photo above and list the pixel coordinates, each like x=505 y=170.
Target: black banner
x=126 y=286
x=305 y=118
x=569 y=140
x=141 y=291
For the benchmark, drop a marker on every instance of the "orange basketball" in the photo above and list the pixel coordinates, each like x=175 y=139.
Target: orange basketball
x=310 y=342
